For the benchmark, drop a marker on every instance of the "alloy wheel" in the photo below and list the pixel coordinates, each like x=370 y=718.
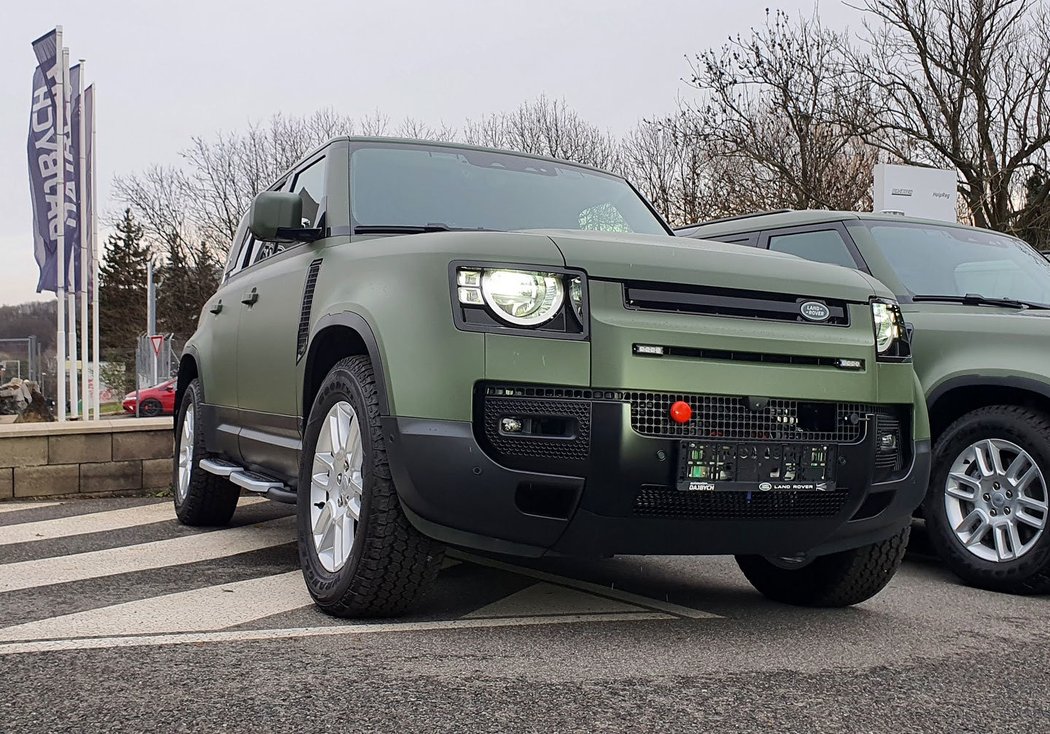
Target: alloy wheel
x=336 y=486
x=996 y=500
x=185 y=453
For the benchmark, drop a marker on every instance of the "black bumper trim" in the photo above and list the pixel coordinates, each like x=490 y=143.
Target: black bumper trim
x=454 y=491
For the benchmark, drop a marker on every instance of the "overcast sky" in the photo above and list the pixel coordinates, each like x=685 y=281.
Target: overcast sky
x=166 y=71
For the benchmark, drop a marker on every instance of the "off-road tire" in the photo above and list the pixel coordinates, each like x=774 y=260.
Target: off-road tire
x=210 y=499
x=836 y=580
x=150 y=408
x=1029 y=429
x=391 y=564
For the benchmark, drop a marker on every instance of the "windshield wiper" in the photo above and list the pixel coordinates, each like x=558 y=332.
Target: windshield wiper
x=415 y=228
x=976 y=299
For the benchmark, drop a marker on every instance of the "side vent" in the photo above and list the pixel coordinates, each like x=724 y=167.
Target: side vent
x=304 y=311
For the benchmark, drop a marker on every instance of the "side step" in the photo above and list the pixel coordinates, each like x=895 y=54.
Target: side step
x=269 y=487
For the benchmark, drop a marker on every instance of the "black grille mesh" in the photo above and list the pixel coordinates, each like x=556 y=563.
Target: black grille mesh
x=303 y=336
x=576 y=448
x=888 y=463
x=717 y=416
x=671 y=503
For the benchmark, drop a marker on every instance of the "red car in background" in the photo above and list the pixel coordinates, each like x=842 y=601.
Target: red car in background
x=156 y=400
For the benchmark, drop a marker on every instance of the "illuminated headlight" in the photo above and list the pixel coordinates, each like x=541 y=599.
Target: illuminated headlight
x=889 y=324
x=519 y=297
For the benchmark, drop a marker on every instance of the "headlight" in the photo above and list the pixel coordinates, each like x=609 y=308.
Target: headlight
x=576 y=297
x=889 y=327
x=519 y=297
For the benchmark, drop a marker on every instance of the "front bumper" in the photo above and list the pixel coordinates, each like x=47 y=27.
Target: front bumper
x=621 y=494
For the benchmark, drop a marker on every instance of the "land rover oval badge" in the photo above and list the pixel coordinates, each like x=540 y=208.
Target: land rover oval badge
x=815 y=311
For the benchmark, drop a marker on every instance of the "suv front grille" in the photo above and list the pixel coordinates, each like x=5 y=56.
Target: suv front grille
x=718 y=416
x=729 y=302
x=672 y=503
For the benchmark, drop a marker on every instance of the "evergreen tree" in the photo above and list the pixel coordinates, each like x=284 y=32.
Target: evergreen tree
x=184 y=286
x=122 y=290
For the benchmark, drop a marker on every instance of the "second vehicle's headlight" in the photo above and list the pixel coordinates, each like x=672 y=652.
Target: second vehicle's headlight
x=887 y=324
x=523 y=297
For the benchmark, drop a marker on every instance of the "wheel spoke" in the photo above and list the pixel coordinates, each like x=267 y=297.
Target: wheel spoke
x=353 y=508
x=1022 y=483
x=980 y=525
x=1014 y=538
x=323 y=523
x=984 y=462
x=1002 y=542
x=1031 y=503
x=1030 y=520
x=967 y=493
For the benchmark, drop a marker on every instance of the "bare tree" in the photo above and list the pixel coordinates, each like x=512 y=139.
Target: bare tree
x=962 y=85
x=545 y=127
x=769 y=115
x=662 y=158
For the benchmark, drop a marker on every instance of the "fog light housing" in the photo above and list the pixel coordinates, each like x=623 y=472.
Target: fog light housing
x=510 y=425
x=887 y=442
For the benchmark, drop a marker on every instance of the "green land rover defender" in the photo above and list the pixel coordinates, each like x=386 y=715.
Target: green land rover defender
x=428 y=344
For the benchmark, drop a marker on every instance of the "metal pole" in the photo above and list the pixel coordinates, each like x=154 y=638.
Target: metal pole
x=60 y=238
x=83 y=229
x=151 y=320
x=94 y=261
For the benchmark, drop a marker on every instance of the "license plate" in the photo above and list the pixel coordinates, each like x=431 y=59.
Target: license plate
x=713 y=466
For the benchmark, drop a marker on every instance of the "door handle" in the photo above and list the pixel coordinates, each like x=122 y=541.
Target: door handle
x=250 y=297
x=217 y=308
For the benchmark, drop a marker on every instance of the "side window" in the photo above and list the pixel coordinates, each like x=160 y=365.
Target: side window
x=236 y=254
x=750 y=239
x=824 y=246
x=310 y=185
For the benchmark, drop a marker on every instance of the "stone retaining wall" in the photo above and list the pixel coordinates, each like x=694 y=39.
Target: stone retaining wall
x=118 y=455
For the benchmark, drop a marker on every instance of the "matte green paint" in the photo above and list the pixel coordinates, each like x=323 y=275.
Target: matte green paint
x=400 y=286
x=949 y=341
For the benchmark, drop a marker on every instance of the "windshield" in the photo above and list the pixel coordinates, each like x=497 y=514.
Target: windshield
x=948 y=261
x=400 y=185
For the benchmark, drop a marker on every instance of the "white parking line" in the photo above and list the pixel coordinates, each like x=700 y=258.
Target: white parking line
x=144 y=556
x=15 y=506
x=200 y=610
x=301 y=632
x=95 y=522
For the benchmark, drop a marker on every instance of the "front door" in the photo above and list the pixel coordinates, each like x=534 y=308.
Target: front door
x=270 y=298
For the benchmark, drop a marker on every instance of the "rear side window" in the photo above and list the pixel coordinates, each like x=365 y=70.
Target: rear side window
x=823 y=246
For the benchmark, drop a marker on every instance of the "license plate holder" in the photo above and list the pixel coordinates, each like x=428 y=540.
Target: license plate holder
x=762 y=466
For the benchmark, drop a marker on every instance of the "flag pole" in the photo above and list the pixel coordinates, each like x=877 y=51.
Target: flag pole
x=71 y=299
x=96 y=397
x=82 y=227
x=60 y=238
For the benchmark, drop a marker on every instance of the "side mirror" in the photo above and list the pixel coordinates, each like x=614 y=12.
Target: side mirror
x=277 y=216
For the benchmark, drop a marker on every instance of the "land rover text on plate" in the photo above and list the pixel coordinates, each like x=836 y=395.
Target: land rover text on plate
x=428 y=344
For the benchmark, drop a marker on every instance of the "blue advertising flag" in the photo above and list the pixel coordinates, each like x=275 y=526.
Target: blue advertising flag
x=51 y=208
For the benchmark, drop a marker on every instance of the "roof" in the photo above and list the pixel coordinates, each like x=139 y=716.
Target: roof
x=776 y=220
x=444 y=144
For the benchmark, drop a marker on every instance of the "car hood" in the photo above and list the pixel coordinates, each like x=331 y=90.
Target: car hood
x=992 y=322
x=634 y=257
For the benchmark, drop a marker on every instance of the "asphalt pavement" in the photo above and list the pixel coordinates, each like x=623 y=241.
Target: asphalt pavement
x=115 y=618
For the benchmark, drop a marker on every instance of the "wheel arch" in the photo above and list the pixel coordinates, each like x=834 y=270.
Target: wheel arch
x=337 y=336
x=188 y=372
x=954 y=398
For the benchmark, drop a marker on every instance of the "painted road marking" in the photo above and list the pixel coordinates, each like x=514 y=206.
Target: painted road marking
x=15 y=506
x=552 y=599
x=301 y=632
x=201 y=610
x=591 y=588
x=95 y=522
x=145 y=556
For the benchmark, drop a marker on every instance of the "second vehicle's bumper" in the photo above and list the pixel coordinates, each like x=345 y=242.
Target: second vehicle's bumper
x=623 y=495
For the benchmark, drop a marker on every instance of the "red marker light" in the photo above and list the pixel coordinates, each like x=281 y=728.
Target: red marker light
x=681 y=412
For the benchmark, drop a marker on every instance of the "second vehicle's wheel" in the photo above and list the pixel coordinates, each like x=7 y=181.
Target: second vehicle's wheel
x=150 y=408
x=359 y=554
x=201 y=498
x=835 y=580
x=988 y=508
